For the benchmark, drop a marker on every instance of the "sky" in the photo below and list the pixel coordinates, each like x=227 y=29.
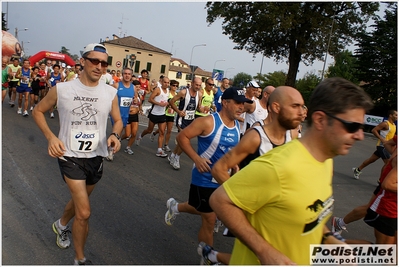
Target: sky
x=176 y=27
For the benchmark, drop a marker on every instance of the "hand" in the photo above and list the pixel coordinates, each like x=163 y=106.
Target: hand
x=114 y=142
x=202 y=165
x=182 y=113
x=55 y=147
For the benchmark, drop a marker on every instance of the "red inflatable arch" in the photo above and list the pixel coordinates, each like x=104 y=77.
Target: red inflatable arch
x=51 y=55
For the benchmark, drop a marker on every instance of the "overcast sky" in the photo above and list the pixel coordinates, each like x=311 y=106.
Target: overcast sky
x=175 y=27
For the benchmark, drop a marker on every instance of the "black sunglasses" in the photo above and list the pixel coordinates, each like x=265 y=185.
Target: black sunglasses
x=351 y=127
x=173 y=85
x=96 y=61
x=211 y=84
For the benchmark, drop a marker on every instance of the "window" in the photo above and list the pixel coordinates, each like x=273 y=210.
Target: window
x=163 y=67
x=137 y=66
x=179 y=75
x=126 y=50
x=203 y=79
x=149 y=64
x=109 y=60
x=188 y=77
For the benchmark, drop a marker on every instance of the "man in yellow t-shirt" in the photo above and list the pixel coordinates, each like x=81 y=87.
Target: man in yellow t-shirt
x=278 y=205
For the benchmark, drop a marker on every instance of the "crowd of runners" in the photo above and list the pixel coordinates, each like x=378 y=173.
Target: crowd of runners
x=255 y=171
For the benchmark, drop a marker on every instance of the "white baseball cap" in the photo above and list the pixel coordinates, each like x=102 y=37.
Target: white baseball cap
x=253 y=84
x=95 y=47
x=63 y=65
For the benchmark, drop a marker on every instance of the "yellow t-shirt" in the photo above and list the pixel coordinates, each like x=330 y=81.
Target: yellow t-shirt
x=286 y=195
x=206 y=101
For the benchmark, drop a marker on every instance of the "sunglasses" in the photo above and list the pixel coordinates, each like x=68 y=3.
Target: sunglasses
x=95 y=62
x=211 y=84
x=350 y=127
x=173 y=85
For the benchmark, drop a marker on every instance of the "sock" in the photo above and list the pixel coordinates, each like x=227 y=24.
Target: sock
x=62 y=227
x=127 y=147
x=213 y=256
x=357 y=169
x=177 y=157
x=175 y=208
x=159 y=149
x=172 y=155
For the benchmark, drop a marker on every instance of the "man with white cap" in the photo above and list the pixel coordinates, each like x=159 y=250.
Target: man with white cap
x=83 y=105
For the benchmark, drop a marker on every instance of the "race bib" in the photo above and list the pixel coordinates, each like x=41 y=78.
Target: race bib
x=189 y=115
x=84 y=141
x=25 y=81
x=126 y=101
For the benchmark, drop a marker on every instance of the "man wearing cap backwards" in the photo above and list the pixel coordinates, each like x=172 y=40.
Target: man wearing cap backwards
x=83 y=106
x=280 y=203
x=217 y=134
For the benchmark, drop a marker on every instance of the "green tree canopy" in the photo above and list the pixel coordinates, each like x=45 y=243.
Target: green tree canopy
x=291 y=31
x=377 y=61
x=275 y=78
x=306 y=85
x=344 y=66
x=241 y=79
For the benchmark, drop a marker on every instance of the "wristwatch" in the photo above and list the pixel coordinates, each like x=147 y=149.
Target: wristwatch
x=116 y=135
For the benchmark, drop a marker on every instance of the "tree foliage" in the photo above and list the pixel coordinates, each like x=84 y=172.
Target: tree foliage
x=344 y=66
x=241 y=79
x=65 y=51
x=377 y=61
x=275 y=78
x=292 y=31
x=3 y=22
x=306 y=85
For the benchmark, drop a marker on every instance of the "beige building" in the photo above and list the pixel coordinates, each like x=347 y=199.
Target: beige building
x=153 y=59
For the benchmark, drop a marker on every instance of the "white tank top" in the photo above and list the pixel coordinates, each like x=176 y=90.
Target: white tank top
x=83 y=113
x=162 y=97
x=259 y=114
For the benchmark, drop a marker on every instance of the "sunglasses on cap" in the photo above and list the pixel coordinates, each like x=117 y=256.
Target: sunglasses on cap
x=350 y=127
x=96 y=61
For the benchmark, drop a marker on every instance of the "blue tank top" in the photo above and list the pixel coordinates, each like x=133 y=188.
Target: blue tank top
x=218 y=100
x=213 y=147
x=25 y=73
x=54 y=79
x=125 y=98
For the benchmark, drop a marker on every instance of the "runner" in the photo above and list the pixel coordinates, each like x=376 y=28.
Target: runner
x=217 y=134
x=133 y=121
x=188 y=103
x=12 y=91
x=23 y=88
x=206 y=104
x=81 y=147
x=5 y=76
x=34 y=94
x=54 y=78
x=159 y=101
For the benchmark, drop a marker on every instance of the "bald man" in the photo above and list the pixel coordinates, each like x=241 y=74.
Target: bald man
x=286 y=108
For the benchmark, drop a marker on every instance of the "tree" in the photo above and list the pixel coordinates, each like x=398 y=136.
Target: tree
x=241 y=79
x=3 y=22
x=292 y=31
x=65 y=51
x=275 y=78
x=344 y=66
x=306 y=85
x=377 y=62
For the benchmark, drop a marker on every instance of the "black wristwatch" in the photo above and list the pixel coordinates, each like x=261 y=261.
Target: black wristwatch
x=116 y=135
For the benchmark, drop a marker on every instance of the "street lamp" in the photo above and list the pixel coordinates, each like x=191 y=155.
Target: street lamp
x=17 y=31
x=191 y=57
x=214 y=65
x=23 y=48
x=228 y=70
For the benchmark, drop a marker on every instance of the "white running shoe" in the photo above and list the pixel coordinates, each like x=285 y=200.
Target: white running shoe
x=356 y=173
x=63 y=240
x=138 y=141
x=25 y=114
x=335 y=225
x=52 y=115
x=170 y=215
x=31 y=108
x=166 y=148
x=176 y=164
x=129 y=150
x=19 y=111
x=161 y=154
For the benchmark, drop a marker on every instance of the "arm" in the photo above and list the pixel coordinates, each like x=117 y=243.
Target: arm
x=390 y=182
x=115 y=85
x=112 y=141
x=376 y=130
x=56 y=147
x=172 y=101
x=390 y=146
x=234 y=218
x=249 y=108
x=200 y=126
x=247 y=145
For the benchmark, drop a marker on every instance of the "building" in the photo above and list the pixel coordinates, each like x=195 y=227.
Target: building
x=179 y=70
x=123 y=51
x=146 y=56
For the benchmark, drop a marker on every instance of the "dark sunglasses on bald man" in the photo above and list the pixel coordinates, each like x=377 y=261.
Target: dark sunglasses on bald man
x=350 y=127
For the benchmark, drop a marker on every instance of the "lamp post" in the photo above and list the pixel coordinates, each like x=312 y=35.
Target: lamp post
x=23 y=47
x=17 y=31
x=214 y=65
x=191 y=57
x=228 y=70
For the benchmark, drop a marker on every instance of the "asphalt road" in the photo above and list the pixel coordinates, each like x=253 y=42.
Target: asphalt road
x=128 y=205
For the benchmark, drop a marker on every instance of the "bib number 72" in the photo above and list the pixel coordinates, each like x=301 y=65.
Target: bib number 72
x=85 y=145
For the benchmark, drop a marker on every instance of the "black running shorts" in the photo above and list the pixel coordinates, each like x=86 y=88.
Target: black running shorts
x=199 y=198
x=385 y=225
x=88 y=169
